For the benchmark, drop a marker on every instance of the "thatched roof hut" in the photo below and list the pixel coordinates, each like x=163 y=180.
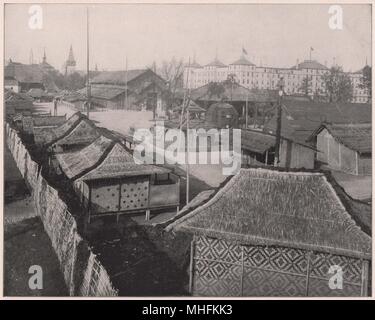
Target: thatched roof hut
x=77 y=130
x=286 y=229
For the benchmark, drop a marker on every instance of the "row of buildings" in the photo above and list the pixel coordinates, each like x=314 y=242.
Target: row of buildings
x=252 y=76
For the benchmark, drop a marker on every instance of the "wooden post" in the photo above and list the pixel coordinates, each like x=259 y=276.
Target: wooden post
x=191 y=266
x=247 y=112
x=147 y=214
x=364 y=279
x=356 y=163
x=242 y=269
x=72 y=287
x=89 y=205
x=308 y=256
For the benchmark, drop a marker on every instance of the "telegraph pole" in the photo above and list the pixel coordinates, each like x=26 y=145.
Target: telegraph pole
x=88 y=65
x=278 y=122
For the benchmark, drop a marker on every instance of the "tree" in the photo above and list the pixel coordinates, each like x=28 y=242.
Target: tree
x=216 y=89
x=306 y=86
x=338 y=86
x=366 y=81
x=172 y=71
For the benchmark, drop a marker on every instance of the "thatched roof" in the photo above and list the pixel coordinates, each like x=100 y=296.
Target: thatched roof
x=119 y=163
x=292 y=209
x=79 y=125
x=356 y=137
x=104 y=158
x=73 y=164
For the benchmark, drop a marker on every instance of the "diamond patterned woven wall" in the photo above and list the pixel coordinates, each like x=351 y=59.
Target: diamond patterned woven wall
x=223 y=268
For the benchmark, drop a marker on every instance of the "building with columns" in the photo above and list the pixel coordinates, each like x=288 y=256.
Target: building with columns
x=251 y=76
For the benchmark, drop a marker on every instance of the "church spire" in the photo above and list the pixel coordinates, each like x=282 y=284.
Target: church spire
x=71 y=59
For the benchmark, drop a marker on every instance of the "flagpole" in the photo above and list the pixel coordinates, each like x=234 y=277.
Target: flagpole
x=88 y=65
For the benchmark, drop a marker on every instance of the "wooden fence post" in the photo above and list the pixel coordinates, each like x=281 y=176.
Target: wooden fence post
x=242 y=270
x=364 y=279
x=191 y=267
x=308 y=255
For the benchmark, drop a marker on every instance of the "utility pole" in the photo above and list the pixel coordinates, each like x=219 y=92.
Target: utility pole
x=278 y=122
x=246 y=110
x=126 y=82
x=187 y=142
x=88 y=65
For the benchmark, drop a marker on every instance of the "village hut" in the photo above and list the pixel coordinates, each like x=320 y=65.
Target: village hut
x=17 y=103
x=75 y=133
x=222 y=115
x=258 y=148
x=109 y=182
x=27 y=123
x=344 y=147
x=273 y=233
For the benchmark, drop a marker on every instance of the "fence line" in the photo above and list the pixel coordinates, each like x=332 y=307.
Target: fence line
x=84 y=275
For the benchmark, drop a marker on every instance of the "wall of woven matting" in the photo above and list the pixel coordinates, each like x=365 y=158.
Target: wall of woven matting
x=83 y=273
x=223 y=268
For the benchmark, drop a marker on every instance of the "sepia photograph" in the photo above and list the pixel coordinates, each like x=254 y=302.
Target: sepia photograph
x=179 y=150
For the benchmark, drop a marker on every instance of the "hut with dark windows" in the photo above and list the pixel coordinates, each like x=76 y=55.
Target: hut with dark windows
x=278 y=233
x=109 y=181
x=344 y=147
x=222 y=115
x=258 y=148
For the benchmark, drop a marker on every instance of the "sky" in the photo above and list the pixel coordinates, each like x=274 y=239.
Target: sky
x=274 y=35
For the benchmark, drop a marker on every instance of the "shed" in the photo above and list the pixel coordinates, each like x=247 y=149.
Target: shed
x=344 y=147
x=277 y=233
x=109 y=182
x=222 y=115
x=259 y=148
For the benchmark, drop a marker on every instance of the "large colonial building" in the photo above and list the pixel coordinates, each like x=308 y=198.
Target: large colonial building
x=251 y=76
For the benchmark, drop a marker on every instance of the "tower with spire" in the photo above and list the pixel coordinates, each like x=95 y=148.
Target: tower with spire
x=70 y=64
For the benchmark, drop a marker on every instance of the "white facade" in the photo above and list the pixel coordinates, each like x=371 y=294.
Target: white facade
x=253 y=77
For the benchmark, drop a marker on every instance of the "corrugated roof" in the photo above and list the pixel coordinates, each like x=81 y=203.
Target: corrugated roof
x=117 y=77
x=356 y=137
x=226 y=90
x=290 y=209
x=257 y=141
x=301 y=118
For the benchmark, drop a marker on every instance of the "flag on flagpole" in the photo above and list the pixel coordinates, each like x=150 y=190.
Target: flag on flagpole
x=244 y=51
x=311 y=48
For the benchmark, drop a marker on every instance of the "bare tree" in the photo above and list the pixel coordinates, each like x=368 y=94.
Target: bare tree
x=172 y=71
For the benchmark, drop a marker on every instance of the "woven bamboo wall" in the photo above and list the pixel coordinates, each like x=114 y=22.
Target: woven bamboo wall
x=222 y=268
x=83 y=273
